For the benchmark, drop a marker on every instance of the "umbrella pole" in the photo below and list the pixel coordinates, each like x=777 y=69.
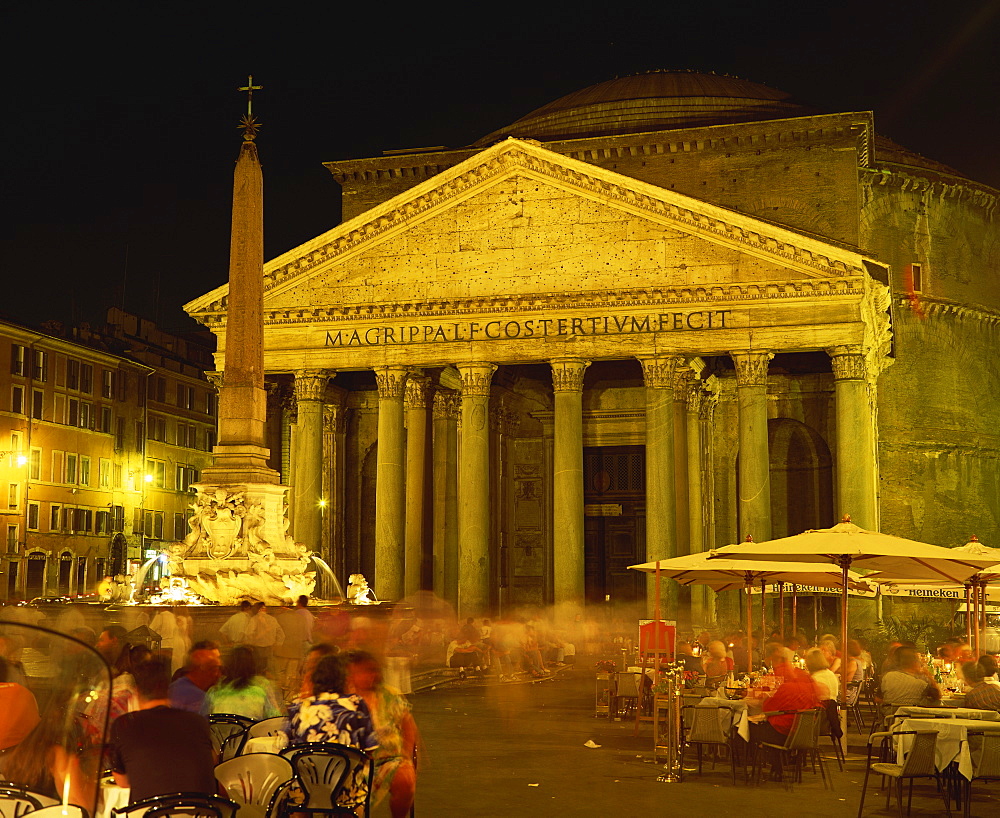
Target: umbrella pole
x=845 y=562
x=982 y=618
x=781 y=610
x=815 y=618
x=749 y=645
x=975 y=607
x=968 y=613
x=763 y=611
x=795 y=610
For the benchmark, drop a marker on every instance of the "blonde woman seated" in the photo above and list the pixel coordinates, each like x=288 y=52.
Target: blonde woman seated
x=827 y=684
x=717 y=665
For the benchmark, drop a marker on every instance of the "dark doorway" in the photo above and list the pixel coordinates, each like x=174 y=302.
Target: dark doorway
x=367 y=516
x=118 y=552
x=35 y=577
x=12 y=579
x=65 y=571
x=81 y=575
x=801 y=478
x=615 y=523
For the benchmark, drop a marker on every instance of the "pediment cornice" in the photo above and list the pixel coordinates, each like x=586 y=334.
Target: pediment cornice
x=803 y=254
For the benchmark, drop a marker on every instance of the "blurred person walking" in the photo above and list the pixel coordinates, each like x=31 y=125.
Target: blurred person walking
x=296 y=628
x=234 y=629
x=202 y=670
x=263 y=635
x=242 y=691
x=395 y=729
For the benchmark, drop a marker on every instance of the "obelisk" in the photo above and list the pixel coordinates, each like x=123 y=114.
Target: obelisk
x=238 y=547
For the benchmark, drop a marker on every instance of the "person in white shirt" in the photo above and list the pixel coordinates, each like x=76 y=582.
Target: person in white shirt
x=825 y=679
x=263 y=635
x=234 y=629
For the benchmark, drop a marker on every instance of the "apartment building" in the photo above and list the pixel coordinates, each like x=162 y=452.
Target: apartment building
x=103 y=431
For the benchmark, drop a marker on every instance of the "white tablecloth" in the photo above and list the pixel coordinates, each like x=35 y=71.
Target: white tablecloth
x=952 y=742
x=111 y=797
x=947 y=713
x=739 y=708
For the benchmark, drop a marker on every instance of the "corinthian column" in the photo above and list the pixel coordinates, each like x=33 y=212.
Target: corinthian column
x=446 y=408
x=755 y=465
x=567 y=481
x=857 y=464
x=474 y=574
x=696 y=524
x=310 y=387
x=389 y=530
x=661 y=533
x=417 y=394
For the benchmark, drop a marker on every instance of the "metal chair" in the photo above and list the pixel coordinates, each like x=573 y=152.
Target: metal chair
x=801 y=742
x=325 y=772
x=831 y=727
x=229 y=733
x=179 y=805
x=60 y=811
x=705 y=728
x=919 y=763
x=253 y=781
x=985 y=762
x=626 y=694
x=854 y=704
x=267 y=727
x=17 y=801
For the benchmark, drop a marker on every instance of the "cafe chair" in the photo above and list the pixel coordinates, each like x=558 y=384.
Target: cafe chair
x=254 y=781
x=60 y=811
x=830 y=726
x=229 y=732
x=325 y=772
x=854 y=704
x=802 y=743
x=17 y=801
x=626 y=694
x=179 y=805
x=985 y=751
x=919 y=763
x=704 y=727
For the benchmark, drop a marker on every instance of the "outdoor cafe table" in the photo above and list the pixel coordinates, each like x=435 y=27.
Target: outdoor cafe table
x=952 y=740
x=946 y=713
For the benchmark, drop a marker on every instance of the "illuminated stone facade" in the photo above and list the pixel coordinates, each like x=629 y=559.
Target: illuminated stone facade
x=677 y=321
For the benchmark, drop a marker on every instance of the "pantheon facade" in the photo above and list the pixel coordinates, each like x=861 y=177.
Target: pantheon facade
x=655 y=316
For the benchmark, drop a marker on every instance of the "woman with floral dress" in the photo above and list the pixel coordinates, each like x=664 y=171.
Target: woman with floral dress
x=331 y=716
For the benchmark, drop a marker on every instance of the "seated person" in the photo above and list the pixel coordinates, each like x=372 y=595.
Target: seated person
x=981 y=695
x=798 y=691
x=159 y=750
x=715 y=662
x=203 y=669
x=687 y=658
x=462 y=654
x=910 y=684
x=989 y=665
x=819 y=669
x=18 y=709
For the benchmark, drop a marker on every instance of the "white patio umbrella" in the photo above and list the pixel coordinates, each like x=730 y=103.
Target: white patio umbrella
x=848 y=545
x=975 y=587
x=726 y=575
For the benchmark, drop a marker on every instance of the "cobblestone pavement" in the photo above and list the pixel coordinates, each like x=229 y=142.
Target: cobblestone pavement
x=519 y=750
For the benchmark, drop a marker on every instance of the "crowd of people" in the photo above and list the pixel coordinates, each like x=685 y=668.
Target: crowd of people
x=153 y=713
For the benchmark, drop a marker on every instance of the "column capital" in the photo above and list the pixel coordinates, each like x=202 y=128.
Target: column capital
x=567 y=374
x=476 y=378
x=683 y=382
x=658 y=371
x=391 y=381
x=694 y=398
x=445 y=404
x=751 y=367
x=334 y=418
x=214 y=378
x=706 y=408
x=848 y=362
x=418 y=391
x=310 y=384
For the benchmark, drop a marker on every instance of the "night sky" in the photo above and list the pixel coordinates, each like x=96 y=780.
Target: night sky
x=120 y=130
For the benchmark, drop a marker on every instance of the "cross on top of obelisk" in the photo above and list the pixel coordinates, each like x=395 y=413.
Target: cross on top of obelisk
x=250 y=125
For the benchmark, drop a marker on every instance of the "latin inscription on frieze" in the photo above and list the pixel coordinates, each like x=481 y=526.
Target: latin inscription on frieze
x=509 y=330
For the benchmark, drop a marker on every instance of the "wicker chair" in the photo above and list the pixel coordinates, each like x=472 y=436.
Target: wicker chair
x=919 y=763
x=985 y=748
x=801 y=743
x=704 y=727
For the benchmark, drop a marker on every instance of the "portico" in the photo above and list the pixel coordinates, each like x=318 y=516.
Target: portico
x=497 y=322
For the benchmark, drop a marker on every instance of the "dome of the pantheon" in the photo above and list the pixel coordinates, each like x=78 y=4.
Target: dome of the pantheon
x=654 y=101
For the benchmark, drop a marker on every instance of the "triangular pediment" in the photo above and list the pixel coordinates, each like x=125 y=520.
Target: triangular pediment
x=517 y=219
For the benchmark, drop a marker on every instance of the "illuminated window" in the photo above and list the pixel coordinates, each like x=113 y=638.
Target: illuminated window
x=185 y=476
x=187 y=435
x=185 y=396
x=105 y=473
x=86 y=415
x=107 y=383
x=84 y=470
x=12 y=538
x=117 y=518
x=35 y=463
x=15 y=448
x=102 y=522
x=13 y=495
x=57 y=467
x=40 y=370
x=153 y=525
x=33 y=516
x=71 y=467
x=17 y=359
x=55 y=517
x=157 y=470
x=118 y=475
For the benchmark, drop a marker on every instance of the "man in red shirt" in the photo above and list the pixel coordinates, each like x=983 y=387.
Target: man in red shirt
x=797 y=691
